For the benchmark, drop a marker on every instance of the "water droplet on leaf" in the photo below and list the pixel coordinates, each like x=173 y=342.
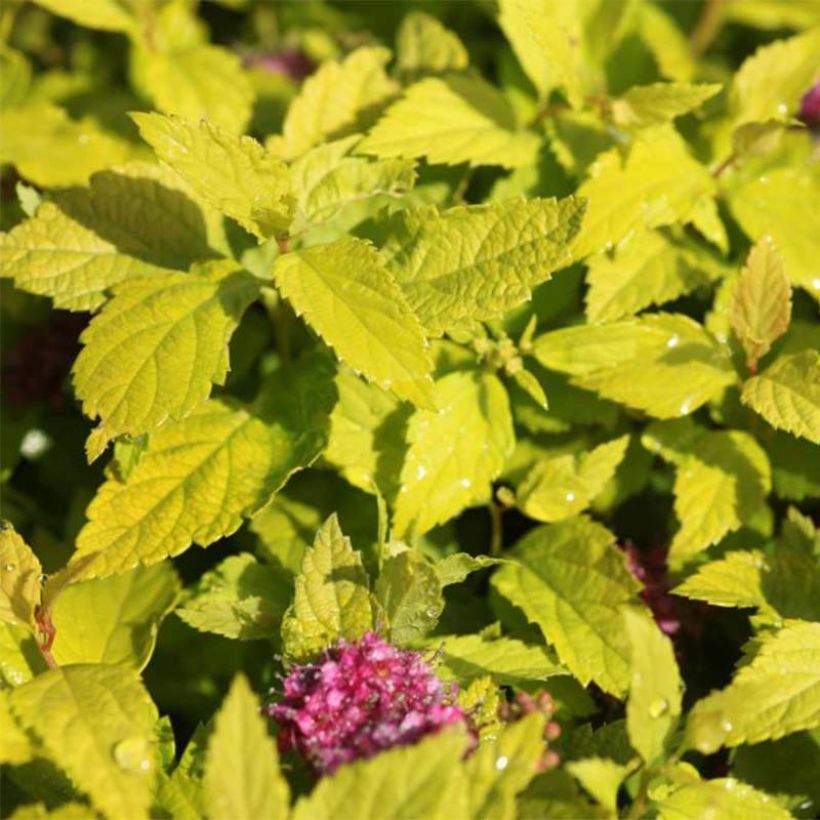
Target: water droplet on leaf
x=501 y=763
x=658 y=707
x=133 y=754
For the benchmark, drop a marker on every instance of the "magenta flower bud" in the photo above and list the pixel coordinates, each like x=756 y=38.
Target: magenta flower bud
x=360 y=698
x=810 y=107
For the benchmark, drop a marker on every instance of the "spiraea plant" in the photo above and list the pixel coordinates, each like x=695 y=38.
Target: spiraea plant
x=477 y=342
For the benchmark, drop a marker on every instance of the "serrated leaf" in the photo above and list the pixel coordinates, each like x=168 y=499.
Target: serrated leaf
x=425 y=46
x=234 y=174
x=157 y=347
x=559 y=487
x=787 y=394
x=242 y=776
x=546 y=38
x=455 y=453
x=659 y=183
x=17 y=747
x=197 y=82
x=732 y=581
x=664 y=364
x=600 y=777
x=345 y=293
x=718 y=487
x=646 y=105
x=331 y=101
x=726 y=798
x=454 y=568
x=332 y=185
x=97 y=723
x=571 y=580
x=20 y=658
x=107 y=15
x=133 y=221
x=774 y=695
x=20 y=579
x=423 y=780
x=646 y=269
x=784 y=203
x=51 y=150
x=452 y=120
x=508 y=661
x=654 y=705
x=477 y=262
x=127 y=612
x=199 y=477
x=668 y=44
x=770 y=83
x=332 y=599
x=762 y=301
x=239 y=598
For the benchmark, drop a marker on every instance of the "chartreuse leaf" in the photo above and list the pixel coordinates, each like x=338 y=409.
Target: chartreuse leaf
x=454 y=568
x=477 y=262
x=455 y=453
x=332 y=101
x=784 y=203
x=234 y=174
x=668 y=44
x=734 y=580
x=546 y=38
x=658 y=183
x=197 y=478
x=787 y=394
x=508 y=661
x=157 y=346
x=563 y=486
x=108 y=15
x=20 y=573
x=332 y=185
x=240 y=598
x=770 y=83
x=724 y=797
x=127 y=612
x=52 y=150
x=762 y=301
x=422 y=780
x=600 y=777
x=97 y=722
x=719 y=486
x=450 y=120
x=647 y=268
x=664 y=364
x=358 y=446
x=409 y=591
x=196 y=81
x=425 y=46
x=571 y=580
x=133 y=221
x=242 y=776
x=20 y=658
x=654 y=705
x=332 y=599
x=17 y=747
x=776 y=694
x=345 y=293
x=65 y=811
x=16 y=72
x=645 y=105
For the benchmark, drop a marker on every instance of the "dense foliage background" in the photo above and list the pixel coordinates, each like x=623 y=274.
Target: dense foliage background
x=498 y=339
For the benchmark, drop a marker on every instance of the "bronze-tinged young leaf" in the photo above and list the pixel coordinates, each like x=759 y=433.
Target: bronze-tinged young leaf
x=762 y=302
x=243 y=780
x=135 y=220
x=154 y=351
x=344 y=291
x=234 y=174
x=571 y=580
x=332 y=598
x=455 y=453
x=199 y=477
x=97 y=722
x=476 y=262
x=20 y=579
x=787 y=394
x=450 y=120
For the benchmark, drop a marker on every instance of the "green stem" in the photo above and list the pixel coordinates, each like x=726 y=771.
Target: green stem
x=707 y=27
x=496 y=529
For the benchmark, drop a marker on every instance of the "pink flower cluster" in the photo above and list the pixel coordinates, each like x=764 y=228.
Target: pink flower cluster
x=360 y=698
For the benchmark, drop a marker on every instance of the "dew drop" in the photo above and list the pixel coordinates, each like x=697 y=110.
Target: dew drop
x=726 y=725
x=10 y=567
x=466 y=483
x=730 y=783
x=432 y=612
x=815 y=283
x=570 y=496
x=684 y=408
x=672 y=341
x=421 y=471
x=658 y=707
x=83 y=139
x=133 y=754
x=501 y=763
x=783 y=108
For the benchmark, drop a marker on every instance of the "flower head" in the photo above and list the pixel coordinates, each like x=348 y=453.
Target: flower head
x=810 y=107
x=359 y=698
